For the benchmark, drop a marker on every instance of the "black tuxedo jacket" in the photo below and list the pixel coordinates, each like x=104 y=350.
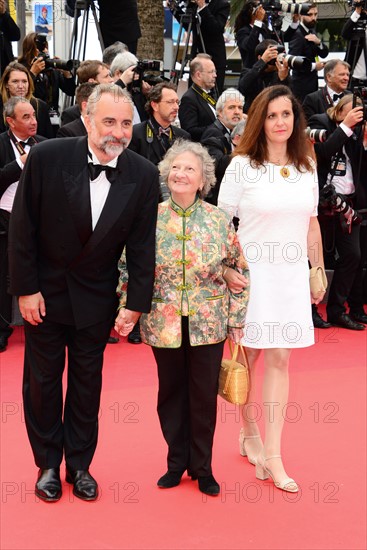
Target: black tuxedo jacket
x=10 y=170
x=44 y=126
x=247 y=39
x=72 y=129
x=119 y=21
x=69 y=114
x=48 y=225
x=9 y=32
x=337 y=138
x=317 y=103
x=195 y=114
x=304 y=81
x=152 y=149
x=217 y=140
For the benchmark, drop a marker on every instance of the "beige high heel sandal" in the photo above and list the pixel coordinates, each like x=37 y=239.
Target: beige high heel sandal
x=262 y=472
x=242 y=442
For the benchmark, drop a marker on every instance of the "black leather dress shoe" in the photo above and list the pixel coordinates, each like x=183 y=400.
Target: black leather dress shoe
x=318 y=321
x=345 y=321
x=113 y=340
x=359 y=317
x=48 y=485
x=4 y=338
x=208 y=485
x=85 y=486
x=169 y=480
x=134 y=336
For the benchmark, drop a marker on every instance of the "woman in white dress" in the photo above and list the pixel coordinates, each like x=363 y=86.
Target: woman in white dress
x=271 y=186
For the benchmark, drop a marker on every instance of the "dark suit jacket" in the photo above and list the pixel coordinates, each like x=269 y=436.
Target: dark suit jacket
x=217 y=140
x=305 y=81
x=50 y=218
x=119 y=21
x=44 y=126
x=247 y=39
x=316 y=103
x=69 y=114
x=72 y=129
x=153 y=150
x=337 y=138
x=10 y=170
x=10 y=33
x=195 y=114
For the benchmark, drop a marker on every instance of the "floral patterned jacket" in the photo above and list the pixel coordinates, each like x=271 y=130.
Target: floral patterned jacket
x=191 y=247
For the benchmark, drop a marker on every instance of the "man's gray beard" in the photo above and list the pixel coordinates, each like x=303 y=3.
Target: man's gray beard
x=113 y=150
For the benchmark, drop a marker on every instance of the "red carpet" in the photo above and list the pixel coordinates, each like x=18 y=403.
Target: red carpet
x=324 y=450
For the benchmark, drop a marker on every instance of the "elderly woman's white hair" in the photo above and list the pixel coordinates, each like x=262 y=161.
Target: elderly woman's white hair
x=207 y=162
x=122 y=62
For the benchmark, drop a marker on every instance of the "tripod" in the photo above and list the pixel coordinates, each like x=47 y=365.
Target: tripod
x=188 y=21
x=78 y=42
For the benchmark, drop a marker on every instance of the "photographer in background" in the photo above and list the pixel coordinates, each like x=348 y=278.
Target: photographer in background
x=341 y=195
x=270 y=68
x=354 y=30
x=47 y=81
x=250 y=30
x=306 y=43
x=9 y=32
x=211 y=17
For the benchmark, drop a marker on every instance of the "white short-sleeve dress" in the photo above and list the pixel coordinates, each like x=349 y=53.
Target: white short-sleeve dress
x=274 y=213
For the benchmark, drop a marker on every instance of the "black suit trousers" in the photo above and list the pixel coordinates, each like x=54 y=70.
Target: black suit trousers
x=345 y=270
x=187 y=402
x=5 y=298
x=52 y=430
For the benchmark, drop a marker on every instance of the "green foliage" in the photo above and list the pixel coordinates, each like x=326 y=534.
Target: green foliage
x=236 y=7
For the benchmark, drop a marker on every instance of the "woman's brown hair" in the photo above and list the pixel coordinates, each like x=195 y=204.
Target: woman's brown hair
x=253 y=142
x=15 y=66
x=29 y=49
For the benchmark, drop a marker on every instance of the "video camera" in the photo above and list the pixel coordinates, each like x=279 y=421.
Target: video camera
x=52 y=63
x=149 y=70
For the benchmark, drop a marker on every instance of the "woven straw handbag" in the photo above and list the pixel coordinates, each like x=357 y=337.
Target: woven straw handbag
x=234 y=380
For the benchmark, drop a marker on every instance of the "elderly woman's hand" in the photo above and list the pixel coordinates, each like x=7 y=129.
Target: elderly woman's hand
x=236 y=282
x=235 y=334
x=125 y=321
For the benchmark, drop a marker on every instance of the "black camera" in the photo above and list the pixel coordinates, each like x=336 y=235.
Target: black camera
x=360 y=99
x=41 y=43
x=149 y=70
x=293 y=8
x=357 y=4
x=316 y=136
x=148 y=65
x=298 y=62
x=330 y=199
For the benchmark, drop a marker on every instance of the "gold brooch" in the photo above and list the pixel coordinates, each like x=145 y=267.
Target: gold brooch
x=284 y=171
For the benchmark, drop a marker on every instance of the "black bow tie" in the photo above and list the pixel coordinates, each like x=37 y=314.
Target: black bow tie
x=96 y=169
x=164 y=131
x=30 y=141
x=336 y=97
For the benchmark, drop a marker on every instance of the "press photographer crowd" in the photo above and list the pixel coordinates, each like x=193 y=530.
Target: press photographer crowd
x=282 y=156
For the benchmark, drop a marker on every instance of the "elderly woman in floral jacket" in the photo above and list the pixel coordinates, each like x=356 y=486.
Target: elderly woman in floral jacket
x=192 y=311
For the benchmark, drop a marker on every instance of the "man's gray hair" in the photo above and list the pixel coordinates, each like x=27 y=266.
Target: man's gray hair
x=330 y=66
x=239 y=128
x=231 y=94
x=123 y=61
x=118 y=93
x=109 y=53
x=181 y=146
x=9 y=106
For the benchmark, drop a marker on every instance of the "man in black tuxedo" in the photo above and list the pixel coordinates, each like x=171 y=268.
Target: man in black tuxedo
x=153 y=137
x=80 y=201
x=306 y=43
x=217 y=136
x=336 y=76
x=14 y=148
x=270 y=69
x=197 y=108
x=211 y=17
x=9 y=32
x=338 y=162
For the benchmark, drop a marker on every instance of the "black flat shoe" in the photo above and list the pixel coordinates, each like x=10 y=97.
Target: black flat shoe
x=318 y=321
x=113 y=340
x=359 y=317
x=48 y=485
x=208 y=485
x=85 y=486
x=134 y=337
x=169 y=480
x=344 y=321
x=4 y=338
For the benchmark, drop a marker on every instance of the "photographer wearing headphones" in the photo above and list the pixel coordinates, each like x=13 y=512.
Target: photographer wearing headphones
x=354 y=30
x=342 y=193
x=211 y=17
x=270 y=68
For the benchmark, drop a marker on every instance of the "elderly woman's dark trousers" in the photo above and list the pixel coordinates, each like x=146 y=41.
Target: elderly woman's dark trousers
x=187 y=402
